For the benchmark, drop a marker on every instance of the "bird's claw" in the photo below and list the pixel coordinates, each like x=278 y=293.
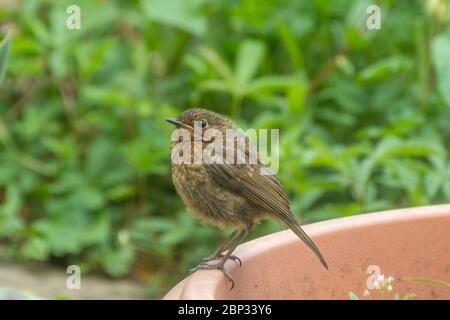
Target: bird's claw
x=218 y=266
x=222 y=256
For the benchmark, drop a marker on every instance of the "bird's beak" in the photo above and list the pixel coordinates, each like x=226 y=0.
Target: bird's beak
x=177 y=122
x=174 y=121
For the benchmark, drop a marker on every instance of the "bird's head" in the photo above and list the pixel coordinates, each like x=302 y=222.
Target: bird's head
x=198 y=125
x=200 y=118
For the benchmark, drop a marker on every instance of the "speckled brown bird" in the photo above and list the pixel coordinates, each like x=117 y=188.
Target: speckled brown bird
x=228 y=195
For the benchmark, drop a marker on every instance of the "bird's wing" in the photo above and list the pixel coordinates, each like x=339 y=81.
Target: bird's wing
x=264 y=191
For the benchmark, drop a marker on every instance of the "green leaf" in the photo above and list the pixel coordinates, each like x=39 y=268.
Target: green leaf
x=352 y=296
x=214 y=85
x=10 y=222
x=35 y=248
x=394 y=147
x=220 y=66
x=441 y=59
x=384 y=68
x=184 y=14
x=249 y=58
x=117 y=261
x=357 y=15
x=290 y=43
x=273 y=82
x=98 y=231
x=409 y=296
x=4 y=53
x=147 y=154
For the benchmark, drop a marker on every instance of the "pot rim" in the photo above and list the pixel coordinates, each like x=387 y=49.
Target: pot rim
x=204 y=283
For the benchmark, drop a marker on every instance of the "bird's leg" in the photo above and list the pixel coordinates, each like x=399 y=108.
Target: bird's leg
x=221 y=264
x=219 y=252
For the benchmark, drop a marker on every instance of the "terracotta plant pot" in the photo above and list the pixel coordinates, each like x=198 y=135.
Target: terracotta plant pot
x=403 y=243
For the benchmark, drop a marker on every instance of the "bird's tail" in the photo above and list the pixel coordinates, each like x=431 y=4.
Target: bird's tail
x=295 y=227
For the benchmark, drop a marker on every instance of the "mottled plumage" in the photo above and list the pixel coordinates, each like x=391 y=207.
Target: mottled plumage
x=229 y=195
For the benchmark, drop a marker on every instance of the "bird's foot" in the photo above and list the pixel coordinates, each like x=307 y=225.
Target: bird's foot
x=221 y=256
x=218 y=266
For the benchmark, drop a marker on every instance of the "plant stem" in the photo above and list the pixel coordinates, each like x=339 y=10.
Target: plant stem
x=429 y=280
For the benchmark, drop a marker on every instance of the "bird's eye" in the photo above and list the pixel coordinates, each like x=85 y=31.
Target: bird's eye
x=180 y=138
x=202 y=123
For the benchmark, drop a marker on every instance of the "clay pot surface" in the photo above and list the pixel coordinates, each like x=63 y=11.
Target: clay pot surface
x=411 y=242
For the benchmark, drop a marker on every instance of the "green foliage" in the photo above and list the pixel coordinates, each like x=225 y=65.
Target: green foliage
x=441 y=52
x=84 y=151
x=353 y=296
x=4 y=52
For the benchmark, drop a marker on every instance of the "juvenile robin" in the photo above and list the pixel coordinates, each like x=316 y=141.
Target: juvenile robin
x=227 y=194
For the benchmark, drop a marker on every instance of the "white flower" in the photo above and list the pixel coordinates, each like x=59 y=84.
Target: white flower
x=366 y=293
x=376 y=284
x=390 y=279
x=389 y=288
x=381 y=278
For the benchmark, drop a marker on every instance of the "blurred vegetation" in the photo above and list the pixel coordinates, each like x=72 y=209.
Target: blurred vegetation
x=84 y=151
